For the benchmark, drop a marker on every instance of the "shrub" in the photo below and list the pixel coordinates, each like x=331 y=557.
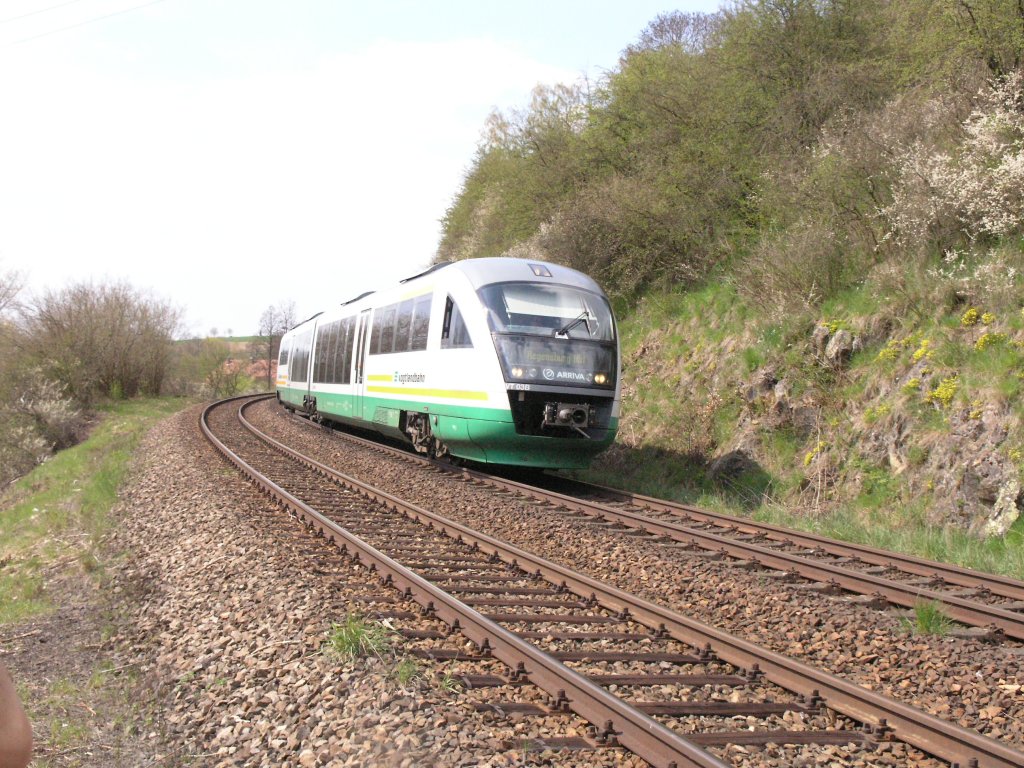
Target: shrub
x=944 y=393
x=988 y=339
x=100 y=339
x=912 y=386
x=21 y=449
x=794 y=270
x=355 y=637
x=975 y=191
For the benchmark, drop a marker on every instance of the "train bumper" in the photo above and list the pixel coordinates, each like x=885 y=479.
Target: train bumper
x=497 y=442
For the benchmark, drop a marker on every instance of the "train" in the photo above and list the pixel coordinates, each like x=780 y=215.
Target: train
x=492 y=360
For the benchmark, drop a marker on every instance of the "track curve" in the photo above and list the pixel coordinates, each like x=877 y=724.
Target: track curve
x=936 y=736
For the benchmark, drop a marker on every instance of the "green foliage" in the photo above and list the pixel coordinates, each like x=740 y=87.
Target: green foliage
x=753 y=358
x=449 y=682
x=406 y=671
x=912 y=386
x=944 y=393
x=929 y=619
x=355 y=637
x=675 y=161
x=23 y=592
x=62 y=508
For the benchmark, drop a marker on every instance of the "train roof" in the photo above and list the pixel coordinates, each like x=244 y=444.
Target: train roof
x=496 y=269
x=311 y=317
x=500 y=269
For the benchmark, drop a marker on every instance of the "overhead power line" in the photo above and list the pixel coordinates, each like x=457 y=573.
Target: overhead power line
x=87 y=21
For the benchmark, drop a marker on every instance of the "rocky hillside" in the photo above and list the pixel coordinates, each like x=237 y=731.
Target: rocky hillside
x=811 y=218
x=886 y=419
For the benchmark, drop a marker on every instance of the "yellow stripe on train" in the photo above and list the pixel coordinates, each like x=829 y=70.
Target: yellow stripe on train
x=448 y=394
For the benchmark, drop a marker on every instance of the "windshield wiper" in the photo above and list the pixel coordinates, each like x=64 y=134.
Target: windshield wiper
x=563 y=333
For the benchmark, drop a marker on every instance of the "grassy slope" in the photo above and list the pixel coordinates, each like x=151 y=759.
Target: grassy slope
x=690 y=360
x=51 y=523
x=57 y=513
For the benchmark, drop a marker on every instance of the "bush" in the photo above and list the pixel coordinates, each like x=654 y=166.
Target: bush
x=973 y=192
x=100 y=340
x=793 y=271
x=36 y=418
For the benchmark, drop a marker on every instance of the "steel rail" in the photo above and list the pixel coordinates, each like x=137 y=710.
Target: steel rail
x=898 y=593
x=997 y=584
x=1011 y=623
x=931 y=734
x=626 y=725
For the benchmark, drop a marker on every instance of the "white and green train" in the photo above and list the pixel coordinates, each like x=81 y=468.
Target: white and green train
x=505 y=361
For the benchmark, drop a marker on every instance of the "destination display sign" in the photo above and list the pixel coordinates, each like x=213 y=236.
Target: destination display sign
x=528 y=359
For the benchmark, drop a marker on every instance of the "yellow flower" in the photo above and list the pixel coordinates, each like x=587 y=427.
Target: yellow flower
x=922 y=350
x=944 y=393
x=809 y=457
x=988 y=339
x=891 y=350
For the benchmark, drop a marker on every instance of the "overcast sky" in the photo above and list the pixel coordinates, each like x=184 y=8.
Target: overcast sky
x=232 y=154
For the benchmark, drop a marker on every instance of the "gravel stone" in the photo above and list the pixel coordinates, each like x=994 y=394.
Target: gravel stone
x=969 y=682
x=225 y=607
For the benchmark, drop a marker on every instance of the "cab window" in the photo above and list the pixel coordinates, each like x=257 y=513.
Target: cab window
x=454 y=334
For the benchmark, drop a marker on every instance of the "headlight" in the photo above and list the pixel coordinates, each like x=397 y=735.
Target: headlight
x=600 y=378
x=517 y=372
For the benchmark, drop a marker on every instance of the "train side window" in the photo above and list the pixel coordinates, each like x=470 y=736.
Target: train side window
x=387 y=329
x=339 y=354
x=403 y=325
x=299 y=369
x=454 y=334
x=348 y=331
x=378 y=315
x=325 y=368
x=332 y=352
x=420 y=323
x=283 y=359
x=320 y=354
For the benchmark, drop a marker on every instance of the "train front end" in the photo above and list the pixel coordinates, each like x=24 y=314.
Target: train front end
x=556 y=342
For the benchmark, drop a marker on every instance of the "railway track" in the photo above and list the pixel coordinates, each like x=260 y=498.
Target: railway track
x=990 y=605
x=649 y=679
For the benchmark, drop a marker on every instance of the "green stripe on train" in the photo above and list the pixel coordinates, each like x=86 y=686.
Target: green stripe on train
x=481 y=434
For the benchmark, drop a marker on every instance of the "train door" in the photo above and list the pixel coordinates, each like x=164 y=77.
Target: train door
x=309 y=348
x=362 y=348
x=298 y=368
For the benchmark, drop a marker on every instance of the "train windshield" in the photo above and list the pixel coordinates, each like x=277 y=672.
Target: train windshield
x=548 y=310
x=553 y=335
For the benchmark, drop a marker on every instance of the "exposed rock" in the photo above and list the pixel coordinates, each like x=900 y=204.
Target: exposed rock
x=764 y=382
x=820 y=338
x=839 y=349
x=1006 y=509
x=805 y=419
x=975 y=485
x=730 y=466
x=782 y=389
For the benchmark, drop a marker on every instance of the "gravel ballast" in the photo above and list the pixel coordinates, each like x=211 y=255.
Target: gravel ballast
x=972 y=683
x=226 y=606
